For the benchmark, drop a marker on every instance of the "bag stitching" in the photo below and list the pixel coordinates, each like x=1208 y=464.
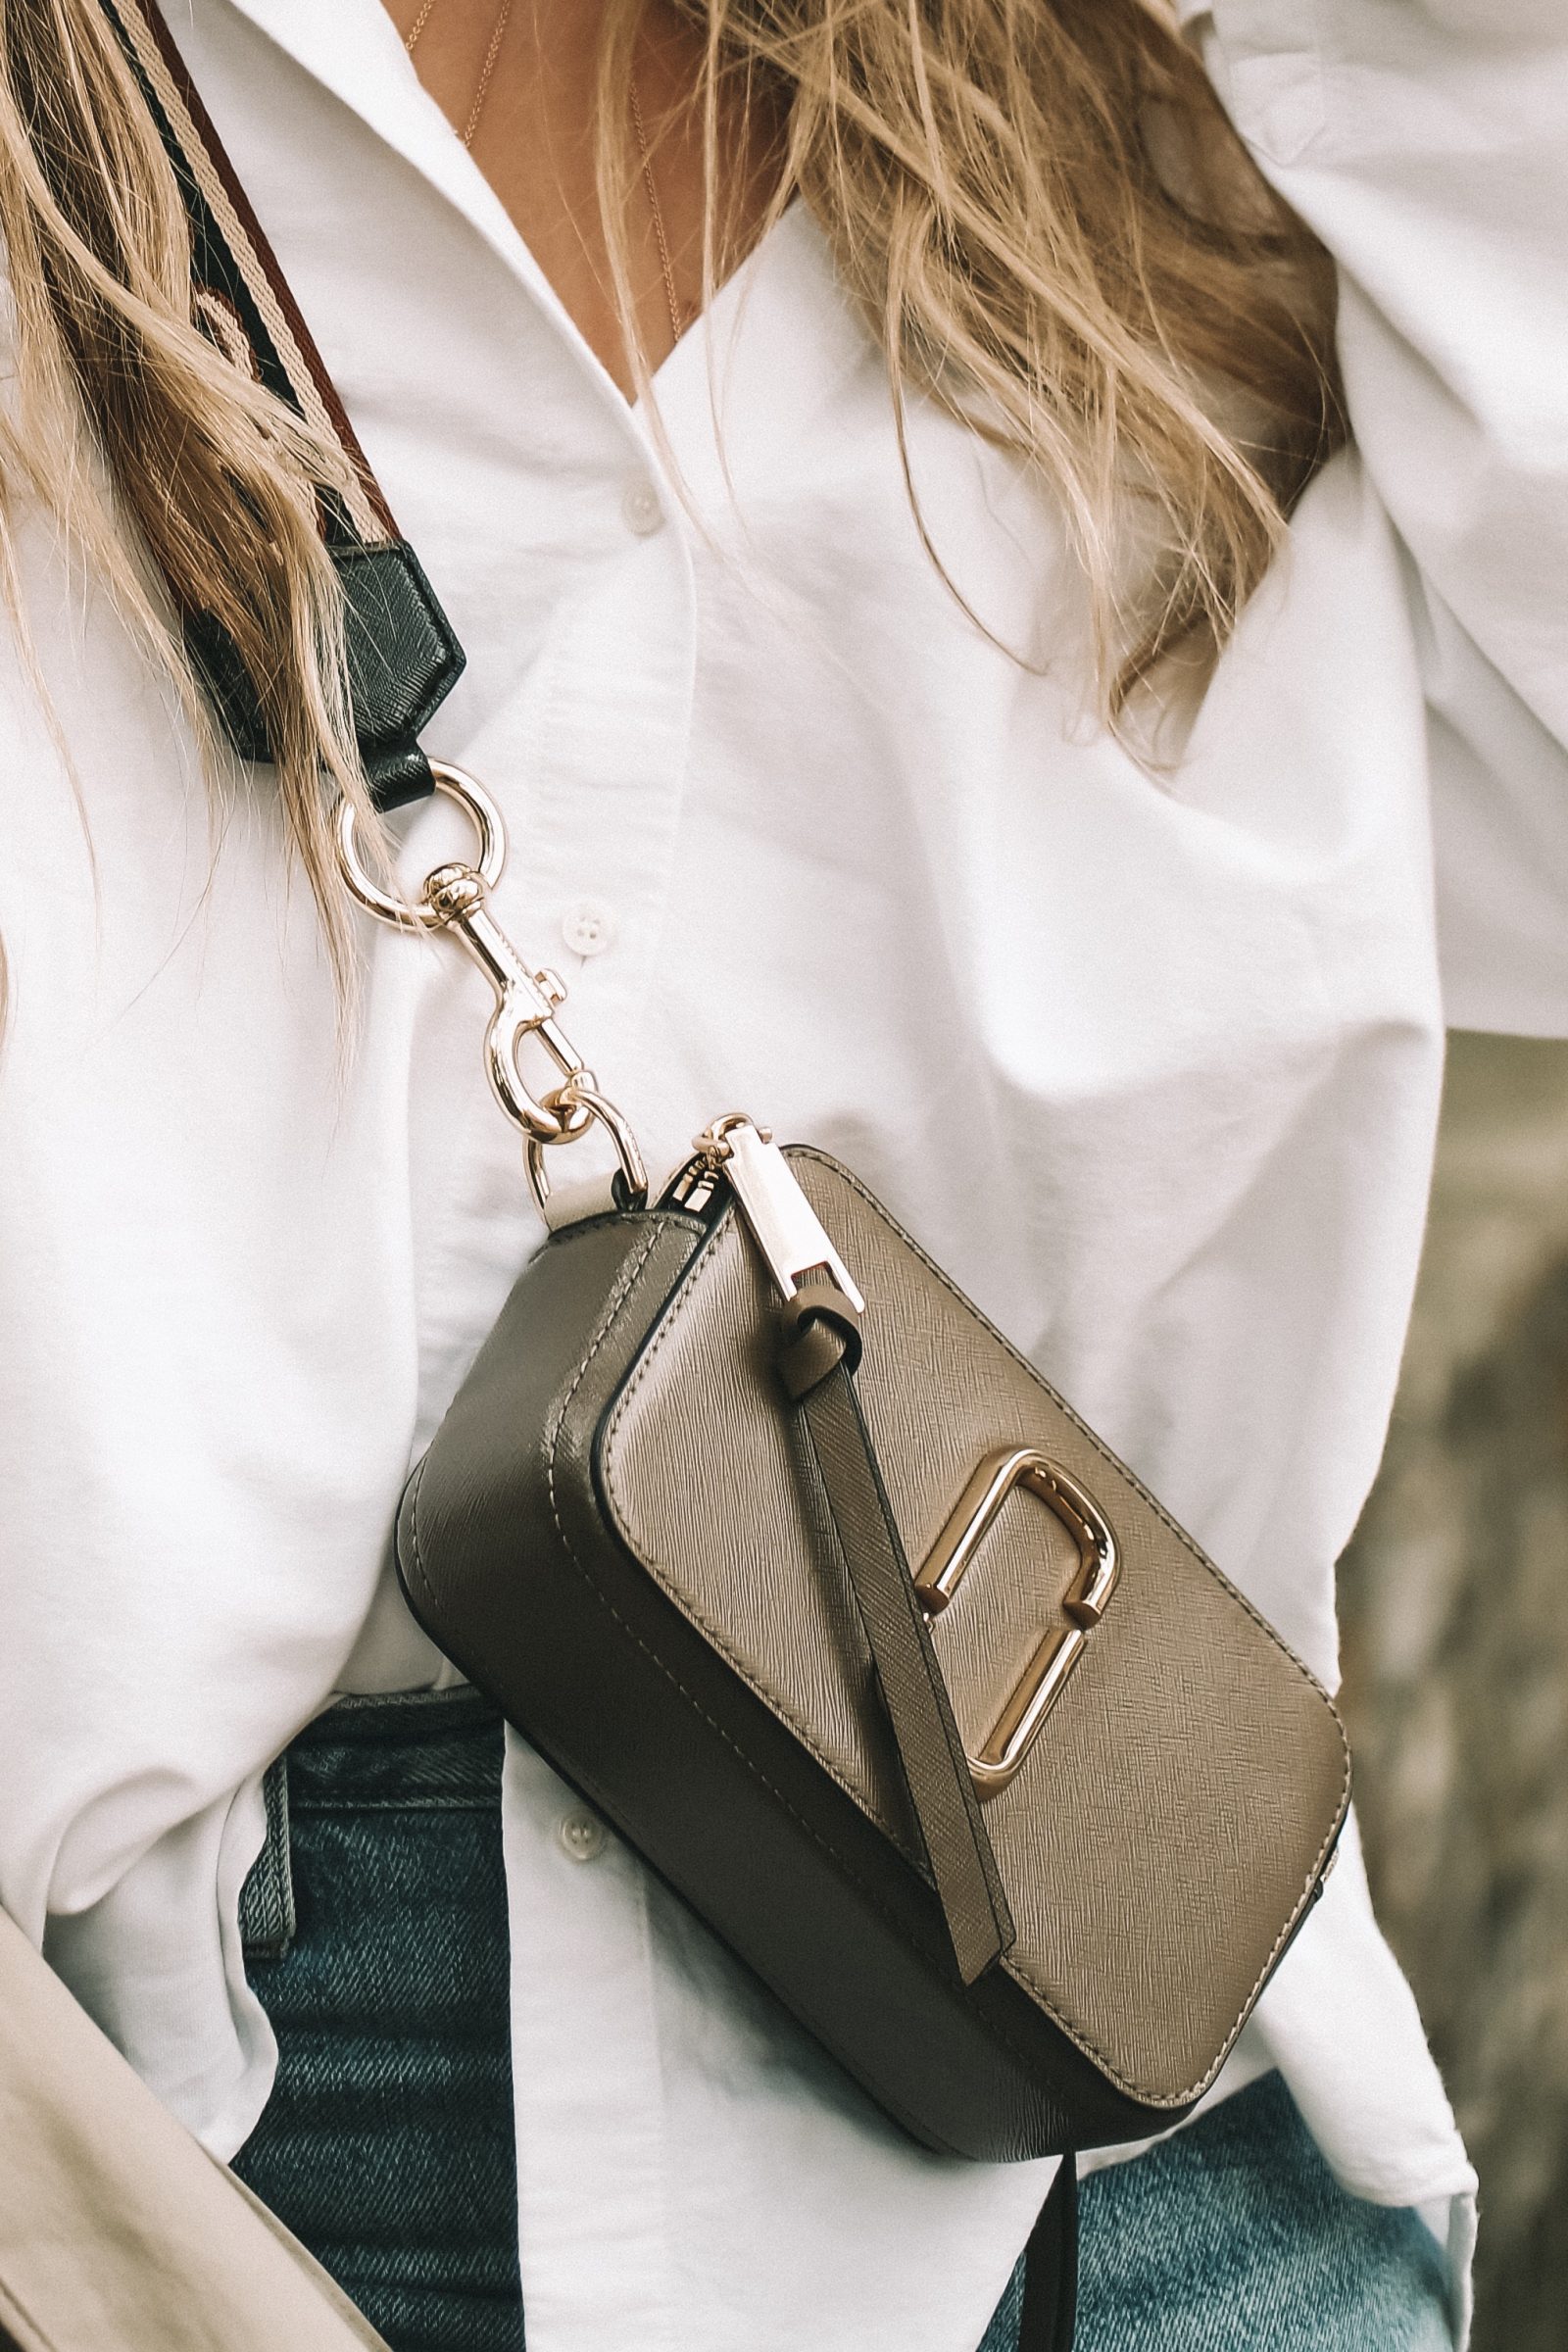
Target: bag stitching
x=553 y=1441
x=597 y=1792
x=1101 y=1449
x=1020 y=1974
x=824 y=1160
x=1014 y=1967
x=778 y=1702
x=690 y=1608
x=618 y=1297
x=415 y=1483
x=833 y=1854
x=1079 y=2040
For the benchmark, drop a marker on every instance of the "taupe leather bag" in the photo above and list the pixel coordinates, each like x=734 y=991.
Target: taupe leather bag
x=784 y=1558
x=665 y=1522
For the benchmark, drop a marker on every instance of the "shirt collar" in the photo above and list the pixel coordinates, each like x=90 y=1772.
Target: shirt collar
x=353 y=49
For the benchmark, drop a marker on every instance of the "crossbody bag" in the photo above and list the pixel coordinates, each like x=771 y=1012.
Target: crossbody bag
x=781 y=1553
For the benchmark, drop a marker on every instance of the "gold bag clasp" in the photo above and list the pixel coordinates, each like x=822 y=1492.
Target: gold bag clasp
x=1022 y=1718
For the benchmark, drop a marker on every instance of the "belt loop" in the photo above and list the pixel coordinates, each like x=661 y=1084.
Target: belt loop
x=267 y=1921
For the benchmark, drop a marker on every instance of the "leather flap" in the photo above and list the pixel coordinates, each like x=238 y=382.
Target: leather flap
x=1169 y=1824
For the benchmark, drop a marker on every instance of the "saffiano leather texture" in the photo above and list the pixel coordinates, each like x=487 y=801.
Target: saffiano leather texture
x=617 y=1530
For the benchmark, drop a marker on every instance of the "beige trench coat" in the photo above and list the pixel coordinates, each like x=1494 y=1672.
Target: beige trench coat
x=117 y=2231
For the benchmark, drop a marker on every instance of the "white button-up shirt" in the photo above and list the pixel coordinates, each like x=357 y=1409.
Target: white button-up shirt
x=1150 y=1063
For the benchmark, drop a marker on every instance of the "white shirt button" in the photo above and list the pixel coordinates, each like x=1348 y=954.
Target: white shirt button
x=588 y=927
x=583 y=1836
x=643 y=508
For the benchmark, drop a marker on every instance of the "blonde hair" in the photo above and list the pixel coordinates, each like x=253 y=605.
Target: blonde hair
x=1054 y=233
x=215 y=478
x=1047 y=220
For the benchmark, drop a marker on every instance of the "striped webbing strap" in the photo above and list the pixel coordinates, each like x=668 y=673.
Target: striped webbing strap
x=403 y=657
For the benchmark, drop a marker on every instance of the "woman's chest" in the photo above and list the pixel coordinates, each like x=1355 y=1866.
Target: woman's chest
x=806 y=826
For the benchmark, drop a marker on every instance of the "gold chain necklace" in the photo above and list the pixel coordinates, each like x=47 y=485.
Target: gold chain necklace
x=653 y=206
x=498 y=32
x=644 y=154
x=411 y=39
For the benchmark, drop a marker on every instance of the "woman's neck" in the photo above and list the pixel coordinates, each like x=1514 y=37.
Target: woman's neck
x=521 y=80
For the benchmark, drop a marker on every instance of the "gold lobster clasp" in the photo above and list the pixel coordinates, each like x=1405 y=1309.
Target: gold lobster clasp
x=453 y=899
x=1039 y=1687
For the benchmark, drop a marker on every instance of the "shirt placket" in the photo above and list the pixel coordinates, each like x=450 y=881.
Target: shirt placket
x=593 y=2160
x=587 y=757
x=594 y=756
x=588 y=760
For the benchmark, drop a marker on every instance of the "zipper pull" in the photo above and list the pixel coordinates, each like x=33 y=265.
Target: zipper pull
x=782 y=1222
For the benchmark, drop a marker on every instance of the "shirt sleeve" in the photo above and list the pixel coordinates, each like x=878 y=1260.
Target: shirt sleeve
x=1426 y=141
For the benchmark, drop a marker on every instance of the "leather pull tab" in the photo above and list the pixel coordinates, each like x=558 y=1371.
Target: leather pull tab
x=815 y=1363
x=819 y=1329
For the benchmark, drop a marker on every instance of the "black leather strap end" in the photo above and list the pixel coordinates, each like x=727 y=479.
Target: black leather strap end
x=402 y=662
x=1047 y=2321
x=227 y=684
x=398 y=775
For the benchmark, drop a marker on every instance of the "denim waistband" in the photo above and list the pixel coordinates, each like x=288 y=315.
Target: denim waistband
x=410 y=1751
x=416 y=1748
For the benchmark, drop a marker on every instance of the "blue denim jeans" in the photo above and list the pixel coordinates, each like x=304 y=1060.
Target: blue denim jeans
x=376 y=1935
x=375 y=1925
x=1235 y=2236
